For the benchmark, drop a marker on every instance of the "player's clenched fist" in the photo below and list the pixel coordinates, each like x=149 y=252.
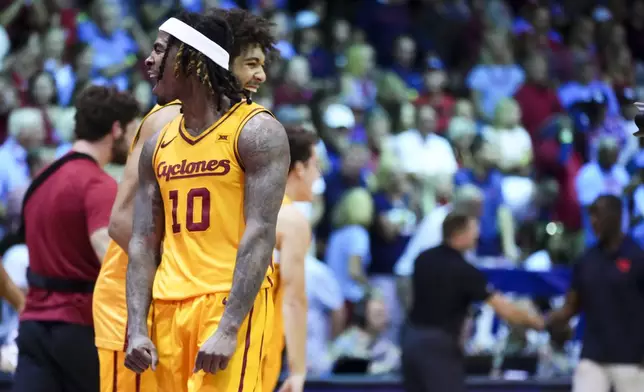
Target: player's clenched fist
x=215 y=353
x=141 y=354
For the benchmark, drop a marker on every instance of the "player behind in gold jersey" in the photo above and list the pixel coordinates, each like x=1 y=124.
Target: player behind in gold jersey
x=253 y=45
x=293 y=241
x=213 y=205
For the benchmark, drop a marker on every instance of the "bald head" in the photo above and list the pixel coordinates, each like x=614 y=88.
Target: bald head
x=468 y=198
x=608 y=142
x=607 y=153
x=468 y=193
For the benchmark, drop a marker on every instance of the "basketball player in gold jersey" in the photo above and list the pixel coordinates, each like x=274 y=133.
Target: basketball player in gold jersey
x=253 y=44
x=210 y=188
x=293 y=241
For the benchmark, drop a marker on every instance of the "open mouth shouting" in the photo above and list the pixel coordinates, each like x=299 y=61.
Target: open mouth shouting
x=252 y=87
x=154 y=78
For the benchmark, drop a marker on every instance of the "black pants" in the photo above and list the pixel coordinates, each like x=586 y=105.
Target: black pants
x=56 y=357
x=432 y=361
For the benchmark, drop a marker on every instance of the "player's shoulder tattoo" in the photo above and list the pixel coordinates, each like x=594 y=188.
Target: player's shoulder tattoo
x=263 y=137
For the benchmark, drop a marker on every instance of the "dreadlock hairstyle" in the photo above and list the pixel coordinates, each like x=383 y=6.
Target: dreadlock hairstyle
x=190 y=62
x=249 y=30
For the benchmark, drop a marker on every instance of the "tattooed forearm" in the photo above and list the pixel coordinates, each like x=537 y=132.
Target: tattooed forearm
x=145 y=244
x=264 y=150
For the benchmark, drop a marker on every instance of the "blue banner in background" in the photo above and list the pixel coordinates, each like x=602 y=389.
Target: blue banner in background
x=534 y=284
x=547 y=284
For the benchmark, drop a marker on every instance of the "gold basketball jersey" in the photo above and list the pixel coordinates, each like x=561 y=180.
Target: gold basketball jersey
x=201 y=180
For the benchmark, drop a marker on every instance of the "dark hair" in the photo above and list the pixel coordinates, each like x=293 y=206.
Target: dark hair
x=32 y=85
x=605 y=203
x=190 y=61
x=34 y=162
x=359 y=313
x=76 y=50
x=477 y=144
x=98 y=107
x=639 y=121
x=455 y=222
x=528 y=236
x=249 y=30
x=301 y=143
x=359 y=310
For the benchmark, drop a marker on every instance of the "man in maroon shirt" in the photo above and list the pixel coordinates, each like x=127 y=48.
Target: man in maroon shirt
x=66 y=212
x=538 y=100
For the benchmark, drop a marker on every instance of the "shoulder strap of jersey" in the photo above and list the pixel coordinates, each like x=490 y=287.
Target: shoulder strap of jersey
x=155 y=109
x=43 y=176
x=252 y=113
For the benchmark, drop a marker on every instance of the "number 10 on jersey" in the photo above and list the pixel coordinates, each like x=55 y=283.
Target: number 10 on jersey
x=193 y=198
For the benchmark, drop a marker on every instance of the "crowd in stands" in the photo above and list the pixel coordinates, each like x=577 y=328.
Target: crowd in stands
x=525 y=107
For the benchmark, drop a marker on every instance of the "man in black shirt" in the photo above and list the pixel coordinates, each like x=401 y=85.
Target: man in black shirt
x=444 y=286
x=608 y=287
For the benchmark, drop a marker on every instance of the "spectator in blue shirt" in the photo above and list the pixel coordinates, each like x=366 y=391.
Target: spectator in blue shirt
x=26 y=133
x=497 y=226
x=308 y=41
x=586 y=87
x=59 y=66
x=344 y=175
x=395 y=219
x=637 y=213
x=404 y=61
x=112 y=38
x=347 y=251
x=497 y=77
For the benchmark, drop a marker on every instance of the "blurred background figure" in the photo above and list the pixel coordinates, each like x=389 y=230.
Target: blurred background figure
x=348 y=250
x=444 y=282
x=14 y=289
x=364 y=343
x=520 y=113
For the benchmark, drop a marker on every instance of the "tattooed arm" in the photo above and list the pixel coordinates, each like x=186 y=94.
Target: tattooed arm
x=145 y=244
x=120 y=228
x=264 y=152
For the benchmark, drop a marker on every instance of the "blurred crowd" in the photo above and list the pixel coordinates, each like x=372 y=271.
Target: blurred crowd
x=521 y=108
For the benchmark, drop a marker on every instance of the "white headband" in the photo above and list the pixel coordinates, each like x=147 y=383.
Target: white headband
x=200 y=42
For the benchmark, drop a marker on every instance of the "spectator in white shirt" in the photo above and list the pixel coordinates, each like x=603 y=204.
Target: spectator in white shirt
x=461 y=132
x=326 y=316
x=421 y=152
x=510 y=138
